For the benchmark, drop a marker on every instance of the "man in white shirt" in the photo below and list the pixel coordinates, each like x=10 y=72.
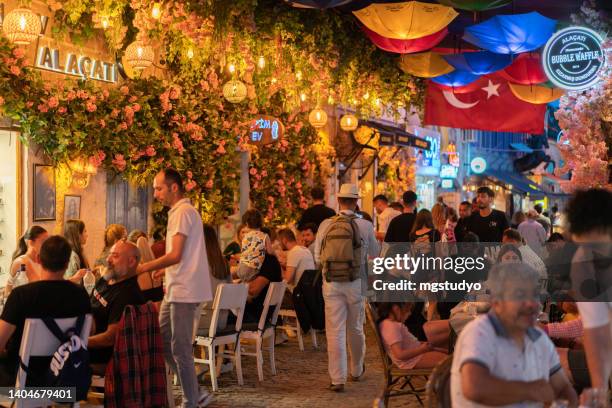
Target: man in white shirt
x=344 y=301
x=533 y=233
x=385 y=215
x=299 y=259
x=590 y=223
x=502 y=358
x=187 y=280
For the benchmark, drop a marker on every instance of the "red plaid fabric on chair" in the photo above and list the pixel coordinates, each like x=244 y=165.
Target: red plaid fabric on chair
x=136 y=375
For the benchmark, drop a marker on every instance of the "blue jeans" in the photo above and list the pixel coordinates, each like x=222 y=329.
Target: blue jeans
x=176 y=324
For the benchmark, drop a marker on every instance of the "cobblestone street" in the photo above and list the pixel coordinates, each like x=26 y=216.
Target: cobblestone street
x=302 y=381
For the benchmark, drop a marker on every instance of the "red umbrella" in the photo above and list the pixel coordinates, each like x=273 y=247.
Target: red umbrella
x=525 y=70
x=405 y=46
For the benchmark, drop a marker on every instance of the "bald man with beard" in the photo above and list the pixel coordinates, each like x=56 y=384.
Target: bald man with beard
x=112 y=293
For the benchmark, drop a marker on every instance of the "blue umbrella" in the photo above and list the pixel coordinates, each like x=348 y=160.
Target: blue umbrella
x=479 y=63
x=511 y=34
x=456 y=78
x=318 y=4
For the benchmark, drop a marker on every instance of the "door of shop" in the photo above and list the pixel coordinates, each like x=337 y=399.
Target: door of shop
x=126 y=204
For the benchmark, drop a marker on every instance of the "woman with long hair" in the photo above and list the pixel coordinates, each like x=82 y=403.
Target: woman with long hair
x=112 y=234
x=76 y=235
x=509 y=254
x=27 y=250
x=152 y=289
x=424 y=229
x=438 y=214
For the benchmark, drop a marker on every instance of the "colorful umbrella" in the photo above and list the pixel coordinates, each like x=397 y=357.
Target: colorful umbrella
x=475 y=5
x=456 y=78
x=405 y=21
x=471 y=87
x=511 y=34
x=318 y=4
x=424 y=65
x=479 y=63
x=536 y=94
x=405 y=46
x=525 y=70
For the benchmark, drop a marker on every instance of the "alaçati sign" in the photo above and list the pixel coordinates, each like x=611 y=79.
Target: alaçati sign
x=573 y=57
x=78 y=65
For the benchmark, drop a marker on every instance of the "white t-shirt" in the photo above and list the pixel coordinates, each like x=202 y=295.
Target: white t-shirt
x=385 y=217
x=189 y=280
x=301 y=260
x=485 y=341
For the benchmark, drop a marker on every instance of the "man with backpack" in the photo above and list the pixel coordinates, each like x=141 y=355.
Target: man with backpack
x=342 y=246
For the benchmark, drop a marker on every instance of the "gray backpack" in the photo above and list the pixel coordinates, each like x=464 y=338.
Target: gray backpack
x=341 y=250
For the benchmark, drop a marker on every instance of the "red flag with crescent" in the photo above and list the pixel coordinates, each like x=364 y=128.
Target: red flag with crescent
x=488 y=104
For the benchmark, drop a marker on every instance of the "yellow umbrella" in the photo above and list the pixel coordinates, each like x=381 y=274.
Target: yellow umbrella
x=424 y=65
x=536 y=94
x=406 y=21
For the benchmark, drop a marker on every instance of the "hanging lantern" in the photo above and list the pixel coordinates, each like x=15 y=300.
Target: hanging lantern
x=234 y=91
x=317 y=118
x=21 y=26
x=139 y=55
x=190 y=53
x=349 y=122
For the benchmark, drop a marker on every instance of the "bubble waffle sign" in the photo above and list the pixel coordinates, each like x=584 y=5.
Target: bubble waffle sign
x=52 y=59
x=573 y=57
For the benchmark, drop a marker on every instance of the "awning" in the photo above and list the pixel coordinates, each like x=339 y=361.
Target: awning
x=520 y=183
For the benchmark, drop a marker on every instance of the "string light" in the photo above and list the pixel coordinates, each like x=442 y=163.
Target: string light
x=303 y=97
x=231 y=68
x=274 y=80
x=298 y=75
x=105 y=22
x=366 y=96
x=261 y=62
x=330 y=100
x=156 y=11
x=377 y=101
x=190 y=53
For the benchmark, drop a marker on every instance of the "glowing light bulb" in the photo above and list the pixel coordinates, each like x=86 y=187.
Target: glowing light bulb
x=303 y=97
x=156 y=11
x=366 y=96
x=377 y=101
x=261 y=62
x=105 y=22
x=139 y=51
x=22 y=23
x=231 y=68
x=190 y=53
x=298 y=75
x=330 y=100
x=318 y=115
x=274 y=80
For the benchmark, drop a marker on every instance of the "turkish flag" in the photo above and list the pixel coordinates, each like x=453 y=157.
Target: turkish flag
x=489 y=106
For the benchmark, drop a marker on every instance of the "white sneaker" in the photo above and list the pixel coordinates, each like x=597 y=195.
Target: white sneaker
x=205 y=400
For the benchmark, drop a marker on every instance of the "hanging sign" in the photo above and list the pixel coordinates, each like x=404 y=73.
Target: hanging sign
x=265 y=130
x=447 y=184
x=478 y=165
x=83 y=66
x=448 y=171
x=573 y=57
x=386 y=139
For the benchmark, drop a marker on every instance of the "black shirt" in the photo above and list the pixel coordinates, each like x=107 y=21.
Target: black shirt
x=400 y=227
x=271 y=270
x=315 y=214
x=47 y=298
x=488 y=229
x=461 y=228
x=107 y=305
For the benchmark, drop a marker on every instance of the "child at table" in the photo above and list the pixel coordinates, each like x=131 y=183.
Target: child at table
x=403 y=348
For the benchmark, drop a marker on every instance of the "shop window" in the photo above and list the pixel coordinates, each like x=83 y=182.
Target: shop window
x=127 y=204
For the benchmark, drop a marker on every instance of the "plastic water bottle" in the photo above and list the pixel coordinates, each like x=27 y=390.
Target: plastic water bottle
x=22 y=277
x=89 y=281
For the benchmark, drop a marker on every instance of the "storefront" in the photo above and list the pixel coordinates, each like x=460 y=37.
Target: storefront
x=427 y=167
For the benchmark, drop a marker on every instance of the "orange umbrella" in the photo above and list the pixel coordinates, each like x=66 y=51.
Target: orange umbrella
x=425 y=65
x=535 y=94
x=405 y=21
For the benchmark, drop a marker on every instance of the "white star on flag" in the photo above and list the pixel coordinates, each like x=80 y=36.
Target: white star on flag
x=491 y=89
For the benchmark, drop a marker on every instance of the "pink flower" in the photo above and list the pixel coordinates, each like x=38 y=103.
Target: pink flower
x=253 y=171
x=15 y=70
x=189 y=174
x=119 y=162
x=82 y=94
x=209 y=184
x=18 y=52
x=70 y=96
x=114 y=113
x=124 y=90
x=102 y=123
x=221 y=149
x=264 y=173
x=53 y=102
x=105 y=93
x=136 y=107
x=43 y=108
x=97 y=159
x=1 y=101
x=133 y=99
x=29 y=104
x=91 y=107
x=62 y=110
x=123 y=126
x=175 y=92
x=284 y=143
x=177 y=143
x=190 y=185
x=150 y=151
x=280 y=182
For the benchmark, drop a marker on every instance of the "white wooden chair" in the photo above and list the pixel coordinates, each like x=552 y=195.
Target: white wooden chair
x=289 y=314
x=38 y=341
x=228 y=297
x=266 y=328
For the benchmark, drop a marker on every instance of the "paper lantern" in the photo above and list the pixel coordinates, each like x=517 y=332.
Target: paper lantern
x=234 y=91
x=525 y=70
x=456 y=78
x=405 y=46
x=479 y=63
x=536 y=94
x=21 y=26
x=317 y=118
x=405 y=21
x=511 y=34
x=317 y=4
x=349 y=122
x=139 y=55
x=475 y=5
x=424 y=65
